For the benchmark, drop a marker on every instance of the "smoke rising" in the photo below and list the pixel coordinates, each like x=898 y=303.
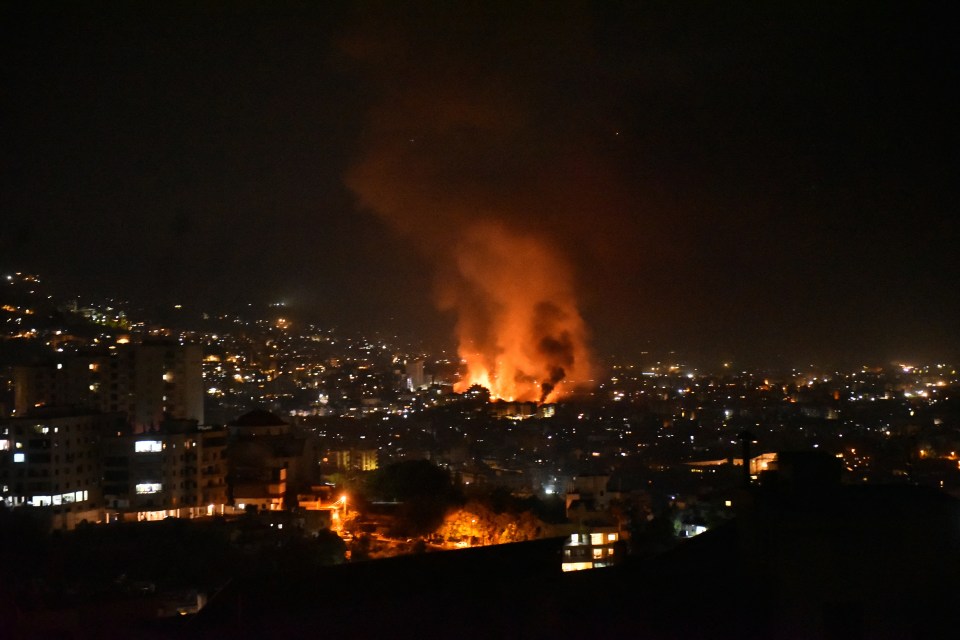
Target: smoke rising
x=455 y=159
x=520 y=333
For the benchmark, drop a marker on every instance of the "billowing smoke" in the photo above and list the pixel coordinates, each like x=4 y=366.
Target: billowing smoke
x=519 y=330
x=451 y=158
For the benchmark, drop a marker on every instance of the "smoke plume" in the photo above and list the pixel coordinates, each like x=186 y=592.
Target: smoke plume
x=451 y=158
x=520 y=333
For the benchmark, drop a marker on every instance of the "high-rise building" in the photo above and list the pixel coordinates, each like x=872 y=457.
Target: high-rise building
x=52 y=460
x=149 y=382
x=416 y=375
x=176 y=470
x=354 y=459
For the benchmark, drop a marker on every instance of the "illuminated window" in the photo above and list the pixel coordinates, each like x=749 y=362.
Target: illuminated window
x=4 y=445
x=19 y=457
x=148 y=446
x=596 y=538
x=149 y=487
x=597 y=553
x=611 y=537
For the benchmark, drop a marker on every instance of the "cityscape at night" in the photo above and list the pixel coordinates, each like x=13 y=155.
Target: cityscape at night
x=520 y=320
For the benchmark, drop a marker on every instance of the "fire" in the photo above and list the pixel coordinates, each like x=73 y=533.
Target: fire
x=453 y=166
x=520 y=333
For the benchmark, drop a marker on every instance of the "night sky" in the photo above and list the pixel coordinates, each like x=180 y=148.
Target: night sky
x=770 y=182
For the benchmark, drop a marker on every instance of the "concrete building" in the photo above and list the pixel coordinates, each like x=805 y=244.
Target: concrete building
x=261 y=488
x=149 y=382
x=268 y=456
x=178 y=470
x=589 y=490
x=51 y=461
x=354 y=459
x=416 y=375
x=592 y=550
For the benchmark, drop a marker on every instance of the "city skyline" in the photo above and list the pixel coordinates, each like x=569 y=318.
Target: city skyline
x=761 y=183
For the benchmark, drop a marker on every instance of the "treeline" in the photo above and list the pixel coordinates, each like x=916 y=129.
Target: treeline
x=425 y=501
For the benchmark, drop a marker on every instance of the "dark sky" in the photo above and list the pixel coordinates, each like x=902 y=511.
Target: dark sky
x=770 y=182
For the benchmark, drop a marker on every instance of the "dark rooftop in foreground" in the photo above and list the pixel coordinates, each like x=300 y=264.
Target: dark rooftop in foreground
x=838 y=562
x=258 y=418
x=852 y=562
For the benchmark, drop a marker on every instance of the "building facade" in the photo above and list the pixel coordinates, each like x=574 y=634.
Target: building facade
x=179 y=470
x=149 y=382
x=51 y=461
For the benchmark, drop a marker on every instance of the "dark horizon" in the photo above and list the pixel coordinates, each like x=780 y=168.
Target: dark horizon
x=762 y=184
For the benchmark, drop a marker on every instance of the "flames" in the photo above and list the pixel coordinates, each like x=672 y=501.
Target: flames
x=520 y=333
x=452 y=159
x=519 y=330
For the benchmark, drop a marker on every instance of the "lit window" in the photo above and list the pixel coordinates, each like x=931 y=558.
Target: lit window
x=148 y=446
x=19 y=457
x=149 y=487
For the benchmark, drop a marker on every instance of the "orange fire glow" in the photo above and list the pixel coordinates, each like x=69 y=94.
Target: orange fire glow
x=440 y=163
x=520 y=333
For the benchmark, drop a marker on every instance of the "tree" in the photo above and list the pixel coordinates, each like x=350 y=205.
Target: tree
x=476 y=523
x=425 y=491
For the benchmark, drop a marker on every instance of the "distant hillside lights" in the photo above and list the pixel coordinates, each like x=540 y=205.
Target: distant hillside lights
x=22 y=277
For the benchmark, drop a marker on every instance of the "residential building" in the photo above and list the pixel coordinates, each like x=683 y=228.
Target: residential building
x=51 y=461
x=354 y=459
x=268 y=455
x=592 y=550
x=150 y=382
x=176 y=470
